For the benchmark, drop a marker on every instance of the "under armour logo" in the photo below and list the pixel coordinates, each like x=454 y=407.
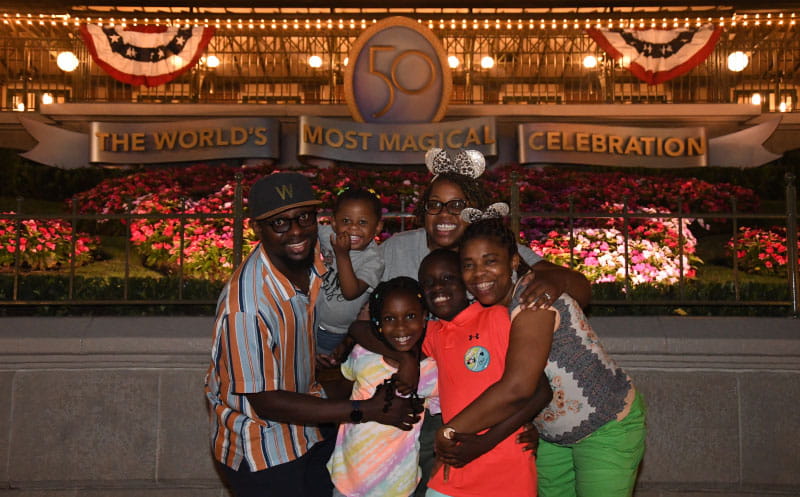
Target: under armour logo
x=284 y=191
x=476 y=336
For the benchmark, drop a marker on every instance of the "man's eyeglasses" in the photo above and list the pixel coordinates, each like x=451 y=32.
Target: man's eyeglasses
x=454 y=206
x=284 y=224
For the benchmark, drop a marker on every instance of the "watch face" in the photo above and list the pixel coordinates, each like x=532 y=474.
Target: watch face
x=356 y=416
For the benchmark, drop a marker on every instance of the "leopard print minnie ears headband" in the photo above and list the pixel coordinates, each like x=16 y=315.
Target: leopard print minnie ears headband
x=470 y=163
x=494 y=211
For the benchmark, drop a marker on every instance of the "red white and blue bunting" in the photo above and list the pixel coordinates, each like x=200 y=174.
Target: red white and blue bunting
x=658 y=55
x=146 y=55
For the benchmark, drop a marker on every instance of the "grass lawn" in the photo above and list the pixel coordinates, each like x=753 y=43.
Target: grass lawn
x=33 y=206
x=717 y=266
x=711 y=273
x=112 y=261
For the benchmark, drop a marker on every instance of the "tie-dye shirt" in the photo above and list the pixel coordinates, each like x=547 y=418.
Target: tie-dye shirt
x=371 y=459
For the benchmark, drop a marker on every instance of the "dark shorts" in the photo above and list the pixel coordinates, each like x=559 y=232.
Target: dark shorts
x=303 y=477
x=430 y=424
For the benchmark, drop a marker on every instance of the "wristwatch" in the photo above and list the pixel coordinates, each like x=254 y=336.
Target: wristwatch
x=356 y=415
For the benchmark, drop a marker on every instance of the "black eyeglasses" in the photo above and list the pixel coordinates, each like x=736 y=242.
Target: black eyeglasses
x=284 y=224
x=454 y=206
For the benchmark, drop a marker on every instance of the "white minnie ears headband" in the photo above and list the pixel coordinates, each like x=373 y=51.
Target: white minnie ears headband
x=470 y=163
x=495 y=211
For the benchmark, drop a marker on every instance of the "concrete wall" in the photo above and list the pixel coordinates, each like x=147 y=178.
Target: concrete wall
x=114 y=406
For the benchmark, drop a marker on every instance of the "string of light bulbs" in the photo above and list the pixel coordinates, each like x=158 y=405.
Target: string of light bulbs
x=735 y=20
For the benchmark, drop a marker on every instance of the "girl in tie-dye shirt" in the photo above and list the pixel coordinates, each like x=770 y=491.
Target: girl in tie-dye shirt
x=371 y=459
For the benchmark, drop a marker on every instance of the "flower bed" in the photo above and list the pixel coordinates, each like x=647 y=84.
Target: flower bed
x=120 y=195
x=207 y=242
x=42 y=244
x=654 y=249
x=655 y=255
x=762 y=251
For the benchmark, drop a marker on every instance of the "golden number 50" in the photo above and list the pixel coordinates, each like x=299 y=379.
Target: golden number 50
x=393 y=83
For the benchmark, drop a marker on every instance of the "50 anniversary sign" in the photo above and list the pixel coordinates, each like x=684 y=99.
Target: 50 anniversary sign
x=397 y=87
x=397 y=74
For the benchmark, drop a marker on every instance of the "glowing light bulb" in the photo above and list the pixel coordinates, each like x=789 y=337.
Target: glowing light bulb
x=67 y=61
x=737 y=61
x=315 y=61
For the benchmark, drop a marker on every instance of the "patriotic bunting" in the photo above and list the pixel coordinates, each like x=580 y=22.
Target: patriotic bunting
x=658 y=55
x=146 y=55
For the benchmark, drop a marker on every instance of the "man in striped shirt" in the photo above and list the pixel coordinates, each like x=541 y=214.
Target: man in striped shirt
x=265 y=401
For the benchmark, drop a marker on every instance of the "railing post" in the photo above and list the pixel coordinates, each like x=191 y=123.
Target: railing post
x=128 y=221
x=626 y=238
x=238 y=221
x=571 y=224
x=515 y=204
x=681 y=242
x=402 y=212
x=181 y=246
x=73 y=246
x=735 y=227
x=17 y=253
x=791 y=241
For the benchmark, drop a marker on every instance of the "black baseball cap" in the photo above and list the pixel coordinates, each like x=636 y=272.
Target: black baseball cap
x=279 y=192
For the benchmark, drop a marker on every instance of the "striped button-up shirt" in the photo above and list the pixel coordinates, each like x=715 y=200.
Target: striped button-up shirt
x=263 y=341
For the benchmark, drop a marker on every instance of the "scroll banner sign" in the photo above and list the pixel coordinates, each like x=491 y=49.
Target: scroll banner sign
x=623 y=146
x=369 y=143
x=155 y=142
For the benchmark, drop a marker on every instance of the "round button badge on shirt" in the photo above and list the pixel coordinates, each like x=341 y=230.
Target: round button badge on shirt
x=476 y=359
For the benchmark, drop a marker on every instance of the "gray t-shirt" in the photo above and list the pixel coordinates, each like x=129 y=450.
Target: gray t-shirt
x=403 y=253
x=334 y=312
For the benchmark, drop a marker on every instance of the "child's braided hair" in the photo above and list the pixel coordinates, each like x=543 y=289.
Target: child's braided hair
x=400 y=284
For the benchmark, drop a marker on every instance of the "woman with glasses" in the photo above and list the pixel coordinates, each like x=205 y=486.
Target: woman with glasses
x=439 y=212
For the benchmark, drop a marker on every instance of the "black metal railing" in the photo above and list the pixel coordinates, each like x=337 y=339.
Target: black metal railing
x=176 y=283
x=789 y=219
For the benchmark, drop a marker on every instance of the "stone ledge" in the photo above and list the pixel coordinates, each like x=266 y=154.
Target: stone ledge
x=743 y=336
x=637 y=342
x=711 y=490
x=106 y=335
x=707 y=381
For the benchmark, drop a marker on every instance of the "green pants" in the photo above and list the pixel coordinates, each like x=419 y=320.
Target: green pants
x=604 y=464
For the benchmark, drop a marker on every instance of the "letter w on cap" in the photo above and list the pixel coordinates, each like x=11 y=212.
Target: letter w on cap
x=284 y=191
